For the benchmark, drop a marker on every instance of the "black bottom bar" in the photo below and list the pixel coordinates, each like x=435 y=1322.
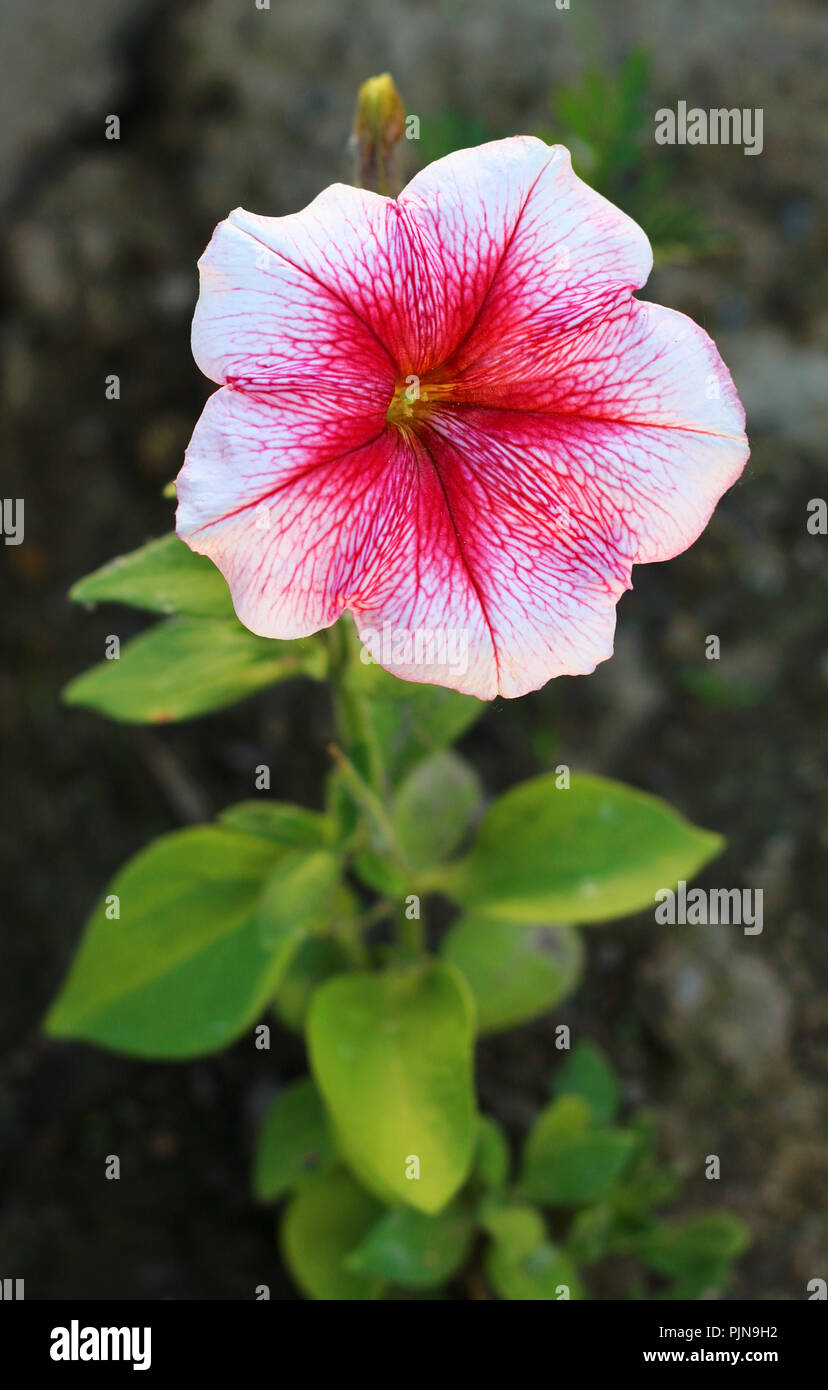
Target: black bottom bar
x=158 y=1339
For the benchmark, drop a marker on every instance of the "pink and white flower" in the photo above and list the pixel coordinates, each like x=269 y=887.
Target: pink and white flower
x=448 y=412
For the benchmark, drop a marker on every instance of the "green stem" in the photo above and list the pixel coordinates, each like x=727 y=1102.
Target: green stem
x=376 y=913
x=371 y=805
x=361 y=769
x=351 y=712
x=412 y=936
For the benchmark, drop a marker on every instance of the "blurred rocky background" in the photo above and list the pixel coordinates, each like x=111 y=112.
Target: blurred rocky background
x=724 y=1036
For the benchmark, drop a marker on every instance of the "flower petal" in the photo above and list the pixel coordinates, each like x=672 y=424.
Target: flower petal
x=640 y=402
x=553 y=507
x=520 y=240
x=570 y=432
x=281 y=301
x=293 y=509
x=492 y=577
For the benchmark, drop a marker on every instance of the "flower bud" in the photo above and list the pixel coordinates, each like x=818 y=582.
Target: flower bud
x=378 y=126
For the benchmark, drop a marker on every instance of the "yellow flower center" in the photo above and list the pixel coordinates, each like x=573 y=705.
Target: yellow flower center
x=415 y=398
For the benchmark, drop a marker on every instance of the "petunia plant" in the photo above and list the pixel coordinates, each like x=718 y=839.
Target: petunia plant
x=445 y=430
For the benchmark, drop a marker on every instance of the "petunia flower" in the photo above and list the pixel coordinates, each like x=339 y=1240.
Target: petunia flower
x=447 y=414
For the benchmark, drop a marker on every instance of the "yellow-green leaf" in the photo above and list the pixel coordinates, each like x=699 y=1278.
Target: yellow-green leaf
x=163 y=576
x=392 y=1056
x=295 y=1141
x=186 y=667
x=172 y=962
x=515 y=972
x=583 y=853
x=326 y=1219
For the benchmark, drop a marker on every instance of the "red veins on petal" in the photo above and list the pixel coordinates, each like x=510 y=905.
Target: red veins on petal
x=448 y=414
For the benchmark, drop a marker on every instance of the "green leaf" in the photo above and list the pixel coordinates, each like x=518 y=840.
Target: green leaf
x=378 y=872
x=588 y=1074
x=561 y=1120
x=189 y=666
x=163 y=576
x=410 y=721
x=318 y=958
x=430 y=815
x=492 y=1159
x=295 y=1141
x=392 y=1055
x=586 y=853
x=416 y=1251
x=697 y=1252
x=567 y=1163
x=517 y=1227
x=646 y=1183
x=183 y=970
x=280 y=821
x=545 y=1274
x=433 y=808
x=325 y=1220
x=300 y=892
x=590 y=1235
x=515 y=972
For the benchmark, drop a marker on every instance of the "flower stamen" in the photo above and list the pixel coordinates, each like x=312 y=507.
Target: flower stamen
x=415 y=399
